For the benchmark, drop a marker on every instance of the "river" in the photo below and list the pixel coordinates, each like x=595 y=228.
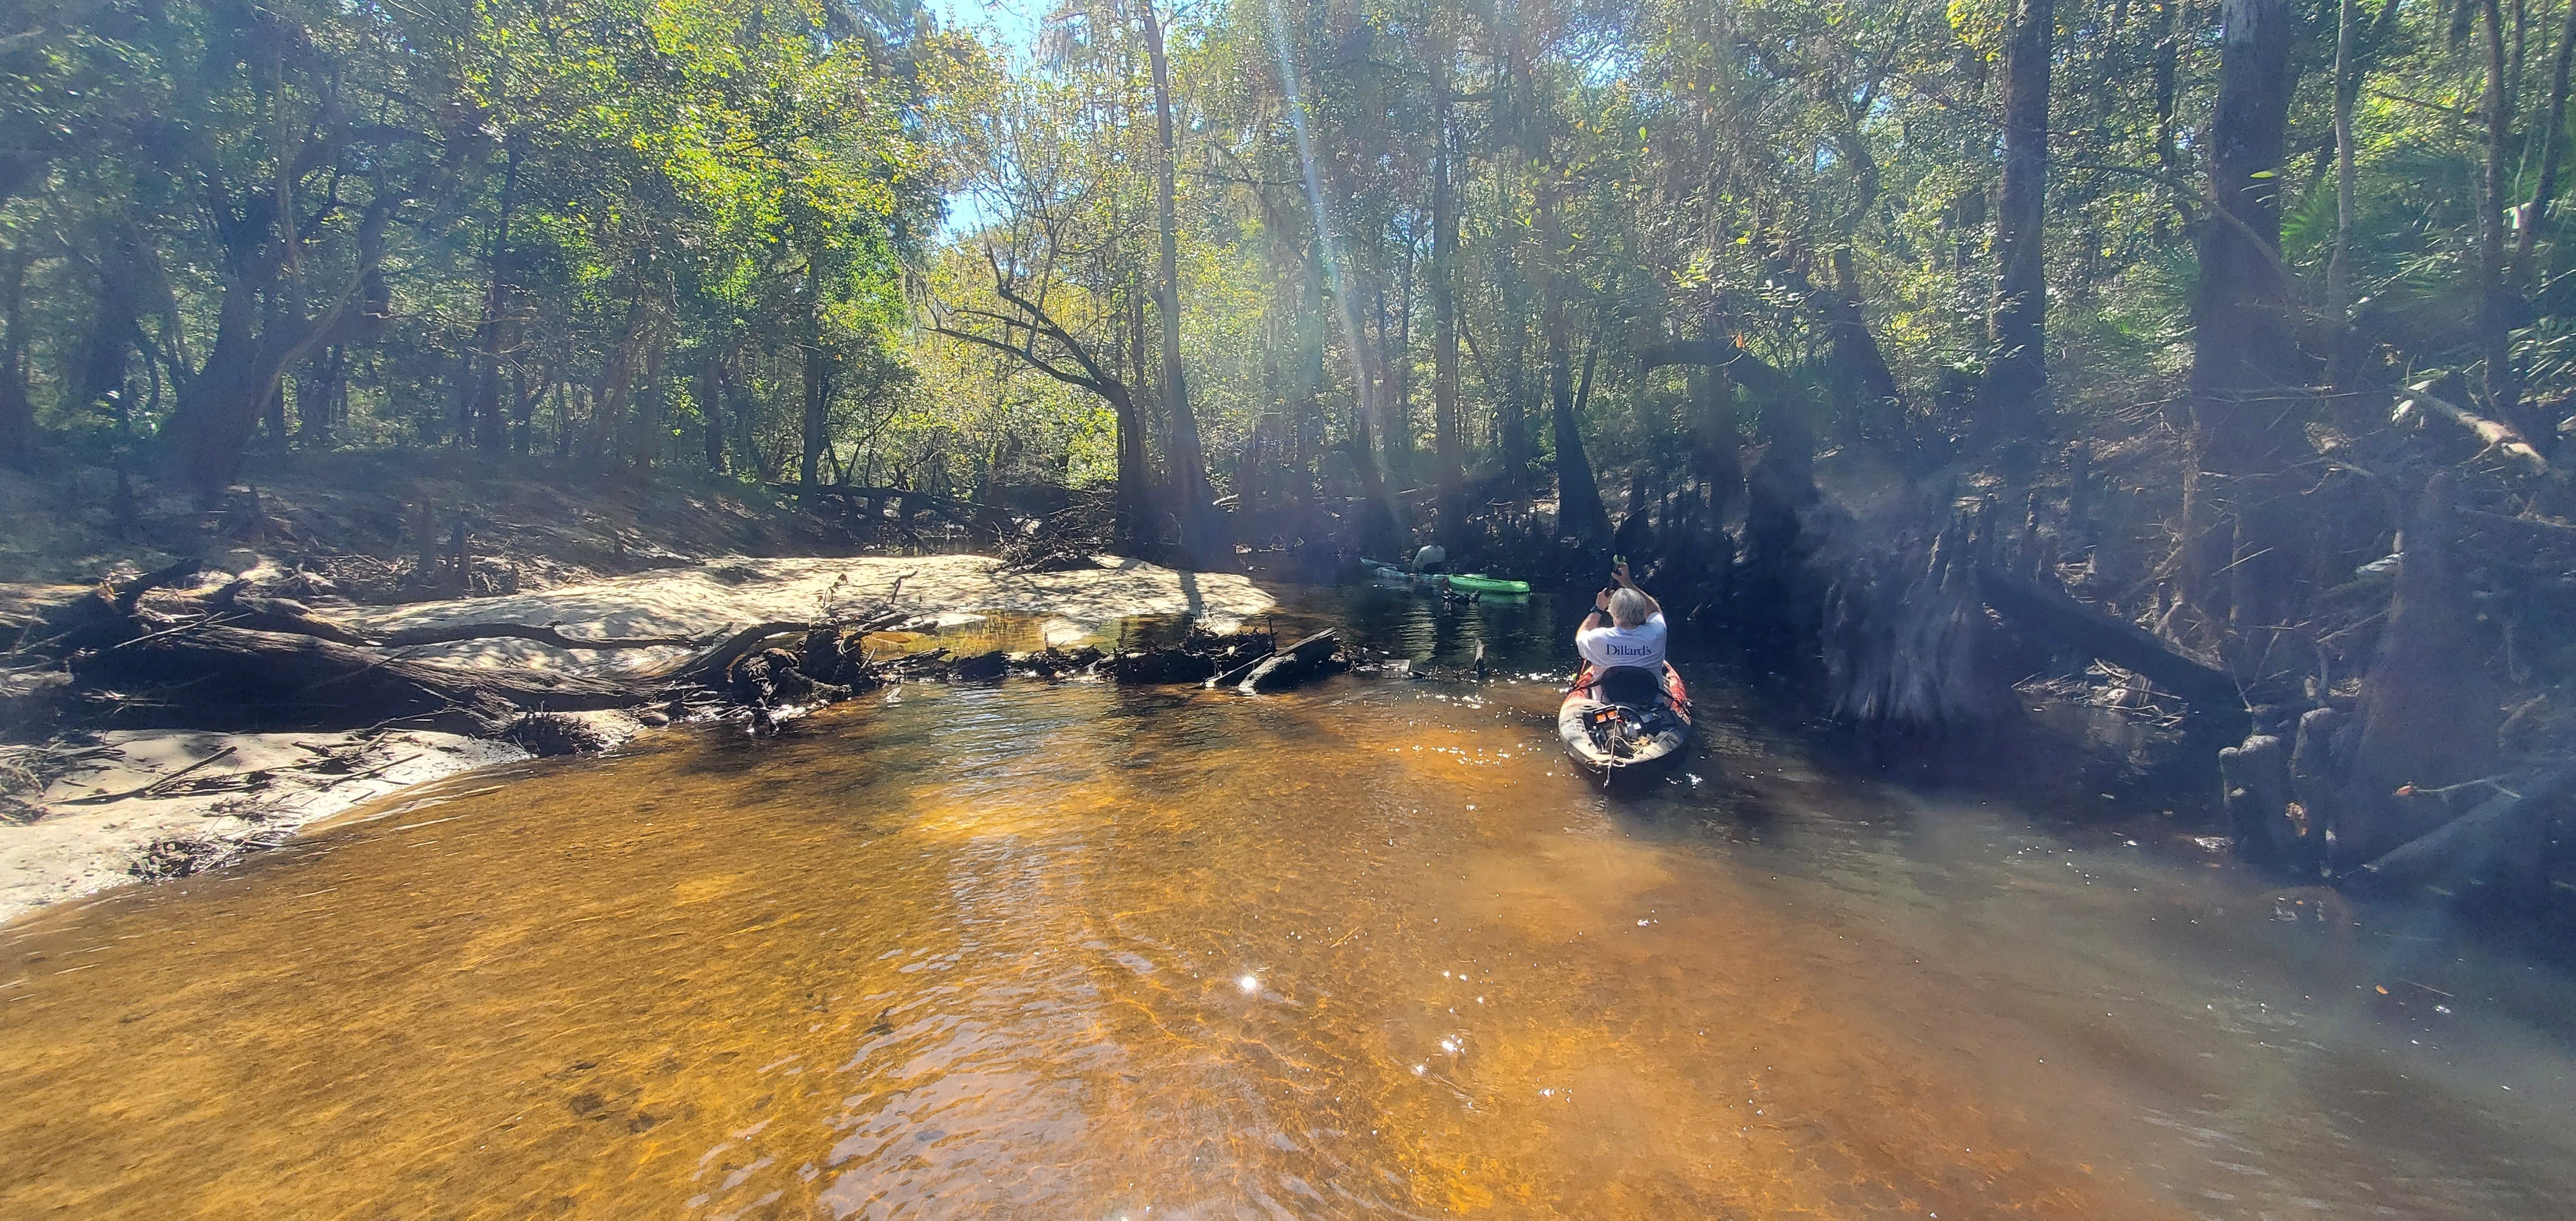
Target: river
x=1368 y=949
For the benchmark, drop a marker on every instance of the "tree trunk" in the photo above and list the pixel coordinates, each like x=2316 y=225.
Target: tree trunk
x=1189 y=465
x=1396 y=359
x=2527 y=232
x=2244 y=555
x=707 y=388
x=2428 y=708
x=2168 y=57
x=319 y=393
x=1511 y=430
x=2346 y=86
x=1449 y=458
x=2017 y=364
x=1717 y=438
x=17 y=411
x=1511 y=341
x=1579 y=512
x=1578 y=493
x=1855 y=347
x=490 y=430
x=105 y=352
x=261 y=331
x=2504 y=387
x=650 y=432
x=273 y=416
x=1134 y=473
x=818 y=405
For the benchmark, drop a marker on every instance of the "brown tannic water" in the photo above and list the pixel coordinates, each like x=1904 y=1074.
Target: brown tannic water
x=1079 y=951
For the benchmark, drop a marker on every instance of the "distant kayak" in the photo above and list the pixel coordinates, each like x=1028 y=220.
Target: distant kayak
x=1625 y=723
x=1480 y=583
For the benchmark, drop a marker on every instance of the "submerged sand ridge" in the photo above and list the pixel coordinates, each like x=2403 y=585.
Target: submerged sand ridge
x=267 y=785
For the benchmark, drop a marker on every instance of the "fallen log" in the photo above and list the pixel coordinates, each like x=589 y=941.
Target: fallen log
x=1308 y=658
x=545 y=634
x=283 y=615
x=1235 y=675
x=277 y=679
x=2465 y=851
x=2057 y=616
x=2499 y=437
x=707 y=668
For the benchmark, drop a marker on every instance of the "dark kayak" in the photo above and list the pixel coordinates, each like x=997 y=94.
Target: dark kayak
x=1626 y=724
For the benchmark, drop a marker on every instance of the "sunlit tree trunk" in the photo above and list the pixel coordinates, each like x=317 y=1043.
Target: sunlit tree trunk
x=1135 y=474
x=1189 y=464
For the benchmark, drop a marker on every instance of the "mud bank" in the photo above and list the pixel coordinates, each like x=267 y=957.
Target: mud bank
x=146 y=803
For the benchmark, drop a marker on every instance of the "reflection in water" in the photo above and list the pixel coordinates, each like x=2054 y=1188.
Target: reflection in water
x=1080 y=951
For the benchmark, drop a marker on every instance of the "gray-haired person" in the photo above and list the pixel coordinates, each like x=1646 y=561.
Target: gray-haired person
x=1625 y=628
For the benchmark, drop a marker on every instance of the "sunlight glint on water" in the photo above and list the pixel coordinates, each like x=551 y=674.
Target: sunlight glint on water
x=1072 y=951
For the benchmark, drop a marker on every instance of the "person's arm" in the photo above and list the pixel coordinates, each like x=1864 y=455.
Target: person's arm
x=1620 y=574
x=1600 y=616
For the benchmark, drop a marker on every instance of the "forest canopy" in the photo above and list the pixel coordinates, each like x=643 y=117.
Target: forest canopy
x=2225 y=347
x=1387 y=252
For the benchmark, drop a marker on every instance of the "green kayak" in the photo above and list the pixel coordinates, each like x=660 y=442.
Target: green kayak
x=1483 y=584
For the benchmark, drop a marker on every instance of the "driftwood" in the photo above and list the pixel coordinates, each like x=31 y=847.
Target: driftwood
x=146 y=789
x=2467 y=850
x=970 y=514
x=1312 y=657
x=282 y=615
x=707 y=668
x=2057 y=616
x=544 y=634
x=1235 y=675
x=235 y=676
x=2499 y=437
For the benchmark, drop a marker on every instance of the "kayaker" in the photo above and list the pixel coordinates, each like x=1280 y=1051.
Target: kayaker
x=1625 y=628
x=1433 y=558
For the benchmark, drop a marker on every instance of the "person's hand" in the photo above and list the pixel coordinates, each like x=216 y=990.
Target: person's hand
x=1601 y=600
x=1621 y=571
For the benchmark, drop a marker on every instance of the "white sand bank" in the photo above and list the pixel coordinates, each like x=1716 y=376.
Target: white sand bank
x=740 y=592
x=268 y=786
x=273 y=783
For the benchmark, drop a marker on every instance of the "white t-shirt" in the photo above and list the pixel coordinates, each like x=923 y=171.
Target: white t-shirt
x=1642 y=645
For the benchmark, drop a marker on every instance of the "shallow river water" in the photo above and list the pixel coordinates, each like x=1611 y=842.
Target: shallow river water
x=1077 y=951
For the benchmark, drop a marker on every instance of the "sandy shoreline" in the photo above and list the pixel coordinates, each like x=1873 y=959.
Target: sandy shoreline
x=96 y=825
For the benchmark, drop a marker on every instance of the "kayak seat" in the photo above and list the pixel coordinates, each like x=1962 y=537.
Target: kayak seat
x=1634 y=686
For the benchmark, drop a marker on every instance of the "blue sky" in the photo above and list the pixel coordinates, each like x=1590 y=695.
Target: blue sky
x=1012 y=26
x=1014 y=21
